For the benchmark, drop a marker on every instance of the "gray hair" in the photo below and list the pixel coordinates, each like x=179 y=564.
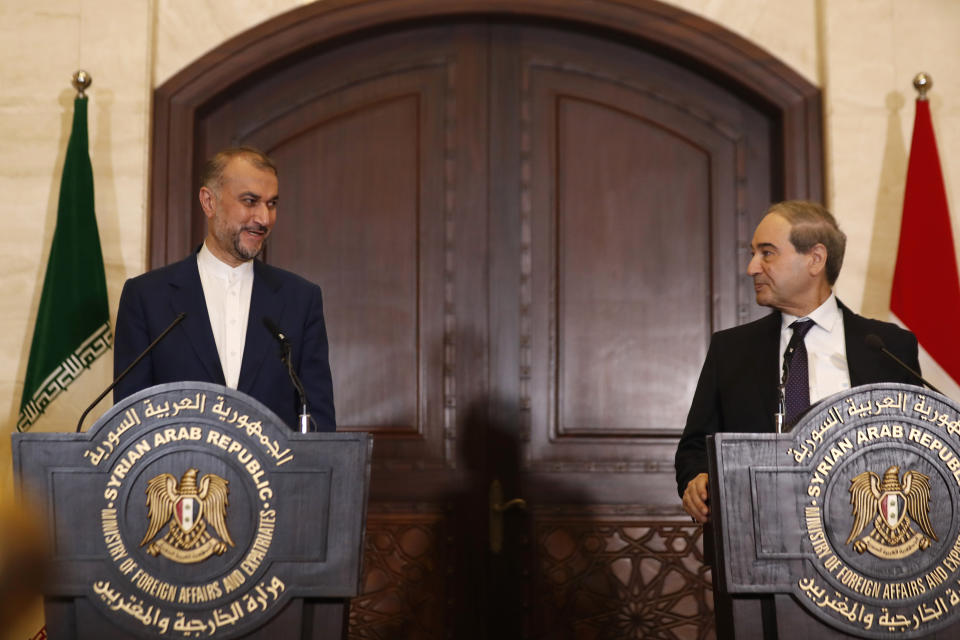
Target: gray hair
x=811 y=224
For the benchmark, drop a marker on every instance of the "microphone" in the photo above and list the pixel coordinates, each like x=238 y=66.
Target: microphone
x=123 y=374
x=876 y=343
x=279 y=336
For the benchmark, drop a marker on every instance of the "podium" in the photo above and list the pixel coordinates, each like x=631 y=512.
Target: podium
x=189 y=510
x=846 y=527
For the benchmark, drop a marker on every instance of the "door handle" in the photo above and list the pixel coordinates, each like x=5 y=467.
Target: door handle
x=497 y=507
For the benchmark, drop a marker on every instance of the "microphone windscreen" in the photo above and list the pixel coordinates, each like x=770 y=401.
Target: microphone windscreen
x=274 y=329
x=874 y=342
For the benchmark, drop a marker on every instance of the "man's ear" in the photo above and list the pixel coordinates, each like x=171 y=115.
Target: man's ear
x=817 y=259
x=208 y=201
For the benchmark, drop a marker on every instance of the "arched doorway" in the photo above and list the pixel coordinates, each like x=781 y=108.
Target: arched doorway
x=527 y=217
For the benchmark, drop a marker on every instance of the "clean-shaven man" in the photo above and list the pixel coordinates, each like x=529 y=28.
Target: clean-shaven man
x=797 y=252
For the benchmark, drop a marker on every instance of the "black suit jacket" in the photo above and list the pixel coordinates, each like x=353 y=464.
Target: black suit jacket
x=737 y=390
x=151 y=301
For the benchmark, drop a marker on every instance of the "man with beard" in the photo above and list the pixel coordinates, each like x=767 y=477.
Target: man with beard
x=797 y=252
x=229 y=299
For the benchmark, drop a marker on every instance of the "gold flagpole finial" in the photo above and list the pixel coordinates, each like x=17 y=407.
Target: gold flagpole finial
x=922 y=82
x=81 y=82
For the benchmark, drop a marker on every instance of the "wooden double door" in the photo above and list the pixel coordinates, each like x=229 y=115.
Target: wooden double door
x=525 y=232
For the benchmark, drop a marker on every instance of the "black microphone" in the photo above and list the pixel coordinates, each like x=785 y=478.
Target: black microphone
x=876 y=343
x=123 y=374
x=279 y=336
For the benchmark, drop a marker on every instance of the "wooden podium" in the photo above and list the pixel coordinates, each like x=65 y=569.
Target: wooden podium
x=189 y=510
x=846 y=527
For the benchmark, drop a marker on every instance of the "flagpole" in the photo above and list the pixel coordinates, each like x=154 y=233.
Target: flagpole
x=81 y=81
x=926 y=267
x=72 y=328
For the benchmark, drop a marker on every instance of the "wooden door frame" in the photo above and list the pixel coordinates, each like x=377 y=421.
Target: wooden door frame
x=690 y=40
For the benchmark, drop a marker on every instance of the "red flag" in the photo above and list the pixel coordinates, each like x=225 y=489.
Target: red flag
x=926 y=289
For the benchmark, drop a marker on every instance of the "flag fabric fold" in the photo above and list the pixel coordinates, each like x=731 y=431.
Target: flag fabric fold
x=73 y=319
x=926 y=288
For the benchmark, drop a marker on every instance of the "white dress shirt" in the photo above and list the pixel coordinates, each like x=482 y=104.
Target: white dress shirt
x=227 y=292
x=826 y=349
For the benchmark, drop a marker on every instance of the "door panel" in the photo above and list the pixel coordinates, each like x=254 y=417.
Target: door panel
x=404 y=590
x=525 y=233
x=359 y=237
x=369 y=140
x=619 y=578
x=638 y=178
x=632 y=180
x=628 y=222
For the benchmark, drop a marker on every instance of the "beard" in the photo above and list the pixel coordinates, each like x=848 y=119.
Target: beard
x=232 y=241
x=249 y=253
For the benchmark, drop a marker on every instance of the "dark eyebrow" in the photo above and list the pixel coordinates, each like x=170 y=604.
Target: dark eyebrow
x=766 y=245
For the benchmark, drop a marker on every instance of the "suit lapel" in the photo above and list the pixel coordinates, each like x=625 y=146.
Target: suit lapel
x=768 y=361
x=187 y=296
x=858 y=353
x=266 y=300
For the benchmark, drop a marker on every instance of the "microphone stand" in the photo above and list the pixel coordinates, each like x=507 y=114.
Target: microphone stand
x=123 y=374
x=874 y=342
x=780 y=417
x=304 y=418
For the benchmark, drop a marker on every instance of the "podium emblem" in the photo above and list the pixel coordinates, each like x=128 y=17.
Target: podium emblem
x=894 y=506
x=188 y=508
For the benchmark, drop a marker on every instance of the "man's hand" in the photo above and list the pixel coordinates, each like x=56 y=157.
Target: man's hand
x=695 y=499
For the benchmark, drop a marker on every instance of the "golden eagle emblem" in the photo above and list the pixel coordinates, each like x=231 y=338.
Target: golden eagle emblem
x=188 y=508
x=891 y=504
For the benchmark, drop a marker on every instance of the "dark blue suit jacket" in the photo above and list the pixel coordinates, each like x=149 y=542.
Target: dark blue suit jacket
x=151 y=301
x=737 y=390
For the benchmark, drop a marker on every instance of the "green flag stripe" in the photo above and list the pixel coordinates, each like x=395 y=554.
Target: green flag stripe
x=73 y=305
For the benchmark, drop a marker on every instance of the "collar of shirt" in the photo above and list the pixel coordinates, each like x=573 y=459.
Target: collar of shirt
x=211 y=265
x=826 y=349
x=826 y=317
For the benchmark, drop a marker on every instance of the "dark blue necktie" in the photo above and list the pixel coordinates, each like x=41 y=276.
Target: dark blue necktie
x=797 y=391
